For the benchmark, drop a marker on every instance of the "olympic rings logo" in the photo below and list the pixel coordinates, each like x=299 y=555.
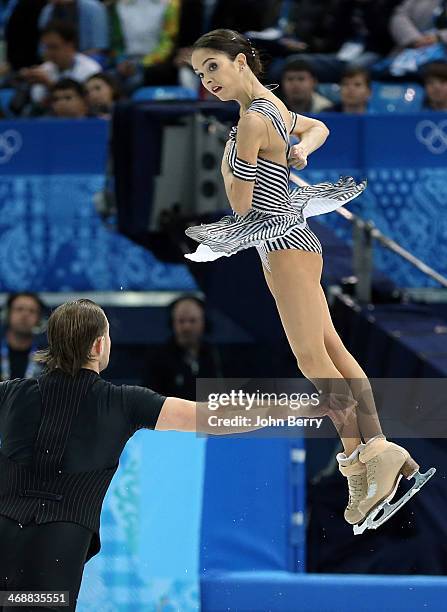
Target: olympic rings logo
x=432 y=135
x=10 y=144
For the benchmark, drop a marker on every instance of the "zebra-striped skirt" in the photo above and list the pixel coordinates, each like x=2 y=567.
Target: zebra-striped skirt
x=284 y=228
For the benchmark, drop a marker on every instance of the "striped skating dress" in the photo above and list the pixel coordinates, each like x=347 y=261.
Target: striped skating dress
x=277 y=218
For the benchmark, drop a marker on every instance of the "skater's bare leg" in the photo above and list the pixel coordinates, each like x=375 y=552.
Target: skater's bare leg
x=345 y=363
x=349 y=368
x=295 y=285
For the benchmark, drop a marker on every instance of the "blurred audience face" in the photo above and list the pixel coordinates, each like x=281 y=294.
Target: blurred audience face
x=67 y=103
x=24 y=315
x=188 y=322
x=436 y=89
x=298 y=86
x=99 y=94
x=355 y=93
x=57 y=50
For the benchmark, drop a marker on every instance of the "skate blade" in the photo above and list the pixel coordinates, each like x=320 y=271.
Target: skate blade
x=389 y=509
x=363 y=525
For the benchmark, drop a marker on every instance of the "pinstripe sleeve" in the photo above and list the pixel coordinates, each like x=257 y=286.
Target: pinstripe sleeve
x=142 y=406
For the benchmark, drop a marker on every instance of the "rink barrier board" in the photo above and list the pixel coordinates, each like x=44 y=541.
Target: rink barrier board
x=287 y=592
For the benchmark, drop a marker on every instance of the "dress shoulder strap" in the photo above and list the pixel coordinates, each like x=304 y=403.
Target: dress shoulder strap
x=294 y=118
x=270 y=110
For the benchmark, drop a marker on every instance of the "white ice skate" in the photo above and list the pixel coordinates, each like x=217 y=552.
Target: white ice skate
x=386 y=463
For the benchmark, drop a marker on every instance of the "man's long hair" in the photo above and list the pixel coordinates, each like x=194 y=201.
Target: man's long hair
x=72 y=329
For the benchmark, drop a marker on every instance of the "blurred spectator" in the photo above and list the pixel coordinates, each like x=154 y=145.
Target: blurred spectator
x=58 y=42
x=22 y=33
x=102 y=92
x=298 y=89
x=355 y=91
x=346 y=33
x=305 y=27
x=23 y=315
x=199 y=16
x=68 y=100
x=241 y=15
x=143 y=38
x=187 y=355
x=191 y=22
x=435 y=82
x=359 y=29
x=88 y=17
x=190 y=28
x=419 y=23
x=260 y=20
x=419 y=29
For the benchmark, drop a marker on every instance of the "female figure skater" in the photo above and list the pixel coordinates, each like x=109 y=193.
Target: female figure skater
x=271 y=217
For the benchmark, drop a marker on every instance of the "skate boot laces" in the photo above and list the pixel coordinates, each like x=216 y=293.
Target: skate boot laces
x=371 y=476
x=356 y=490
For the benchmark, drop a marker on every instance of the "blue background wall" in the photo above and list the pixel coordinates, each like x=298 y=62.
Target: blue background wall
x=404 y=158
x=150 y=529
x=51 y=238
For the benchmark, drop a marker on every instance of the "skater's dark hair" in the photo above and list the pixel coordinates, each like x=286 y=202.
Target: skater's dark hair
x=231 y=43
x=72 y=329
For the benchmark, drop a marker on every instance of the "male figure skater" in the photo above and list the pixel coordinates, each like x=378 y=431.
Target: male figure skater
x=61 y=438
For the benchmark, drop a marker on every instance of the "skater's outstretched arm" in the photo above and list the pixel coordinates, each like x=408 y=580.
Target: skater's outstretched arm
x=177 y=415
x=242 y=416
